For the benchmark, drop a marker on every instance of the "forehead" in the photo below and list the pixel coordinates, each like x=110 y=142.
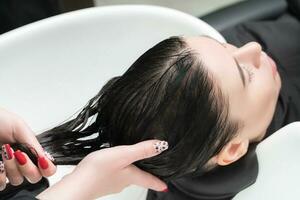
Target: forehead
x=218 y=61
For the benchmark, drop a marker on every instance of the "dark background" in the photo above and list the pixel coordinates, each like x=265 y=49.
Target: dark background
x=16 y=13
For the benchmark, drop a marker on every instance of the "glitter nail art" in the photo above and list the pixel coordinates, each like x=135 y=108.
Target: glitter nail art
x=49 y=156
x=1 y=167
x=161 y=146
x=7 y=151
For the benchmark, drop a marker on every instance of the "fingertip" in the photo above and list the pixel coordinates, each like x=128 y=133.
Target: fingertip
x=145 y=179
x=52 y=169
x=159 y=186
x=43 y=163
x=153 y=147
x=2 y=187
x=27 y=168
x=46 y=167
x=17 y=181
x=146 y=149
x=160 y=146
x=34 y=181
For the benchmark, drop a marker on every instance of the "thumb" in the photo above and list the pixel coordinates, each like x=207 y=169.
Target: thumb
x=144 y=179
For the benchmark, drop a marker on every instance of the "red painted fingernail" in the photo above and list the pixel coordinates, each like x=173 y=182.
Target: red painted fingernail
x=7 y=151
x=166 y=190
x=43 y=162
x=20 y=157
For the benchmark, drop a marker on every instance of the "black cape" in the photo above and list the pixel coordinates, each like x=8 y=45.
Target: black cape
x=281 y=40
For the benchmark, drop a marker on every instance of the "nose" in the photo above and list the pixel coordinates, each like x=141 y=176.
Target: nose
x=250 y=53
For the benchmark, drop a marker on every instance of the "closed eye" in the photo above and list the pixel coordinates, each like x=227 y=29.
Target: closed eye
x=240 y=67
x=250 y=73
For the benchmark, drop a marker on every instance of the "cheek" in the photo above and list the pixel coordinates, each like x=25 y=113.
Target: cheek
x=264 y=87
x=266 y=79
x=262 y=100
x=262 y=96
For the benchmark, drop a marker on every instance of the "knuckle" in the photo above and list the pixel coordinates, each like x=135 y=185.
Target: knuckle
x=51 y=171
x=146 y=152
x=16 y=181
x=47 y=173
x=2 y=180
x=31 y=171
x=2 y=183
x=2 y=186
x=34 y=180
x=27 y=172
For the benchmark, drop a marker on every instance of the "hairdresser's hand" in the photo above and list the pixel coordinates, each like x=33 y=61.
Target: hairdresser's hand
x=108 y=171
x=16 y=165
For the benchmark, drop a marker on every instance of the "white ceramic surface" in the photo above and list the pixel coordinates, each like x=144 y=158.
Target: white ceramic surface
x=279 y=167
x=49 y=69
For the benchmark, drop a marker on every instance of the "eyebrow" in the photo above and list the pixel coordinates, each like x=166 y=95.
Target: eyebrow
x=241 y=72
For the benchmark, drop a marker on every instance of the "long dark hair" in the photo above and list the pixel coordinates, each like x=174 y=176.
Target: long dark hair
x=166 y=94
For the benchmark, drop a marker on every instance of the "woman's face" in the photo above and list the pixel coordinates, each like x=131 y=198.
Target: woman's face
x=247 y=76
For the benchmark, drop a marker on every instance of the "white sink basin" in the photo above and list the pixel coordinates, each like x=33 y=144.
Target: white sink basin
x=49 y=69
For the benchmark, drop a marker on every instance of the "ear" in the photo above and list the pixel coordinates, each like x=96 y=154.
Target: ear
x=232 y=151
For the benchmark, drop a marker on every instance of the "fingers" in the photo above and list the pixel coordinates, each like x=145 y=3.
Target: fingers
x=47 y=168
x=23 y=134
x=11 y=168
x=27 y=168
x=139 y=177
x=145 y=149
x=17 y=164
x=141 y=151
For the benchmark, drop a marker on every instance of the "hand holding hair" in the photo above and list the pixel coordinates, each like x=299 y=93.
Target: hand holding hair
x=15 y=165
x=108 y=171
